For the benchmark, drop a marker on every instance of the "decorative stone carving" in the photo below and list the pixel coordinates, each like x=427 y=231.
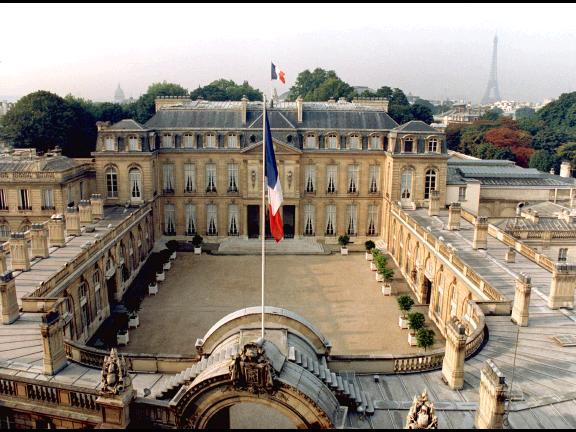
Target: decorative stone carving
x=115 y=378
x=422 y=414
x=252 y=370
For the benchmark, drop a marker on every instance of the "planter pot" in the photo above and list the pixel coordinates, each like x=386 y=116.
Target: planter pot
x=412 y=339
x=197 y=250
x=368 y=256
x=153 y=288
x=387 y=289
x=122 y=338
x=343 y=251
x=372 y=266
x=173 y=256
x=379 y=277
x=133 y=322
x=167 y=265
x=403 y=322
x=160 y=277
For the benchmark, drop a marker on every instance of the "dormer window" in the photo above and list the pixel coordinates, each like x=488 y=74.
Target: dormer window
x=188 y=141
x=375 y=142
x=408 y=145
x=332 y=141
x=210 y=140
x=133 y=144
x=110 y=144
x=432 y=146
x=233 y=141
x=355 y=142
x=310 y=141
x=167 y=141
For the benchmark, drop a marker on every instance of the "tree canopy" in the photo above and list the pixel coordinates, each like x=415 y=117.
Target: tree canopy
x=223 y=90
x=143 y=108
x=320 y=85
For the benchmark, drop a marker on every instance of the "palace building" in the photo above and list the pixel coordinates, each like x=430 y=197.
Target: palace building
x=485 y=273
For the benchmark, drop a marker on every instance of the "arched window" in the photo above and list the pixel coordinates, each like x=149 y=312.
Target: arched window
x=210 y=140
x=408 y=145
x=135 y=177
x=4 y=231
x=233 y=141
x=355 y=142
x=133 y=144
x=432 y=145
x=112 y=182
x=375 y=142
x=430 y=183
x=167 y=141
x=332 y=141
x=310 y=141
x=188 y=141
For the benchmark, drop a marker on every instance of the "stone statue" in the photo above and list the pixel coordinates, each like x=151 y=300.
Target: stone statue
x=115 y=378
x=251 y=370
x=422 y=414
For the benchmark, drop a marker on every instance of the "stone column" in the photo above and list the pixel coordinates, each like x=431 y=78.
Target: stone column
x=434 y=203
x=491 y=406
x=454 y=212
x=85 y=212
x=522 y=300
x=19 y=251
x=56 y=231
x=8 y=299
x=39 y=237
x=563 y=286
x=97 y=206
x=453 y=364
x=480 y=240
x=3 y=265
x=510 y=255
x=52 y=330
x=72 y=221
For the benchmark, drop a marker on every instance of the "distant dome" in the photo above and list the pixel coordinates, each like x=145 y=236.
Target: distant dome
x=119 y=95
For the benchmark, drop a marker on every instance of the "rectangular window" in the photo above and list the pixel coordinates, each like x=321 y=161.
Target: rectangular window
x=310 y=141
x=233 y=220
x=110 y=144
x=212 y=220
x=210 y=177
x=167 y=141
x=310 y=181
x=351 y=219
x=309 y=219
x=462 y=193
x=354 y=142
x=188 y=141
x=562 y=254
x=190 y=213
x=210 y=141
x=133 y=143
x=233 y=141
x=24 y=200
x=375 y=142
x=353 y=178
x=97 y=298
x=168 y=178
x=331 y=178
x=3 y=202
x=169 y=219
x=111 y=184
x=374 y=178
x=332 y=142
x=372 y=219
x=85 y=316
x=232 y=178
x=189 y=178
x=47 y=199
x=330 y=219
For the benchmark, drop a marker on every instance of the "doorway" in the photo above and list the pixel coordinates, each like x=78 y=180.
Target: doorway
x=253 y=222
x=427 y=290
x=289 y=220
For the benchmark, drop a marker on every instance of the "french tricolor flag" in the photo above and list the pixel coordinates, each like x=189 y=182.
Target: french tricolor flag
x=277 y=73
x=274 y=187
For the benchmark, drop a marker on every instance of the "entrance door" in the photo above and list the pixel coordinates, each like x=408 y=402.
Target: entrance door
x=253 y=221
x=427 y=290
x=289 y=219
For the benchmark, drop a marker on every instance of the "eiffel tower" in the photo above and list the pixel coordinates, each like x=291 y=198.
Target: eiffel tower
x=492 y=94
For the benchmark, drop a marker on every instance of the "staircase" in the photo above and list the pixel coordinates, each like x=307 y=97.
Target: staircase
x=346 y=388
x=305 y=246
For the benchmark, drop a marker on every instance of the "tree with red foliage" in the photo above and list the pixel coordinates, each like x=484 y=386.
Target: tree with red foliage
x=508 y=137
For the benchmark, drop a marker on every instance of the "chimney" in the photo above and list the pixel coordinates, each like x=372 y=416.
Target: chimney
x=566 y=169
x=244 y=107
x=300 y=108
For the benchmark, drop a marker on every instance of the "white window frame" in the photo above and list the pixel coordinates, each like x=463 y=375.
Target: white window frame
x=47 y=199
x=135 y=179
x=309 y=220
x=110 y=144
x=188 y=141
x=111 y=183
x=190 y=219
x=462 y=193
x=24 y=199
x=189 y=177
x=212 y=220
x=430 y=182
x=167 y=141
x=355 y=142
x=352 y=219
x=232 y=141
x=374 y=179
x=353 y=176
x=233 y=218
x=310 y=180
x=332 y=178
x=232 y=177
x=169 y=219
x=432 y=145
x=210 y=140
x=332 y=141
x=211 y=180
x=331 y=227
x=372 y=228
x=310 y=141
x=133 y=144
x=375 y=139
x=168 y=177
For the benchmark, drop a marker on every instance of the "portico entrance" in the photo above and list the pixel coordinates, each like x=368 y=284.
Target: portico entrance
x=253 y=221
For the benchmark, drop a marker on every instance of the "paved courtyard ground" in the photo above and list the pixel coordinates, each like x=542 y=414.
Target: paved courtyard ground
x=338 y=294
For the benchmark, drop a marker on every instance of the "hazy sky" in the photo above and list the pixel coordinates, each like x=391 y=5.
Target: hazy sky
x=432 y=51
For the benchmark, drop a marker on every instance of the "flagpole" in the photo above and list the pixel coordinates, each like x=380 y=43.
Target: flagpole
x=263 y=210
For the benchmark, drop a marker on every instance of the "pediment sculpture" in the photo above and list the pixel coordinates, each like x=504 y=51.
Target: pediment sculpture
x=252 y=371
x=115 y=378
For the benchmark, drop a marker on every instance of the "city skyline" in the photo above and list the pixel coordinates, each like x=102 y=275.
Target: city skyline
x=440 y=52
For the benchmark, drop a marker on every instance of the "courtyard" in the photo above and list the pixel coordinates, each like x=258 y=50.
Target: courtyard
x=338 y=294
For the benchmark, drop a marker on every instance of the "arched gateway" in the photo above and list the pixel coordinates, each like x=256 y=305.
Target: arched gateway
x=249 y=382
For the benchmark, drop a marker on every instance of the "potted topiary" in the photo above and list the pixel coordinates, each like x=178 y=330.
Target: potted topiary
x=122 y=337
x=369 y=244
x=415 y=322
x=388 y=274
x=172 y=245
x=197 y=242
x=375 y=254
x=381 y=262
x=133 y=320
x=405 y=303
x=343 y=240
x=425 y=338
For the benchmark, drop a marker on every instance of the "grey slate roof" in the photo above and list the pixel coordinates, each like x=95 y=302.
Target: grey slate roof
x=544 y=224
x=415 y=126
x=546 y=208
x=50 y=164
x=127 y=124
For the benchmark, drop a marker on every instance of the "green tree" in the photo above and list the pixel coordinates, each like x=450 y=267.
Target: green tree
x=421 y=112
x=307 y=82
x=425 y=338
x=525 y=113
x=492 y=114
x=542 y=160
x=223 y=90
x=43 y=120
x=143 y=109
x=333 y=87
x=567 y=152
